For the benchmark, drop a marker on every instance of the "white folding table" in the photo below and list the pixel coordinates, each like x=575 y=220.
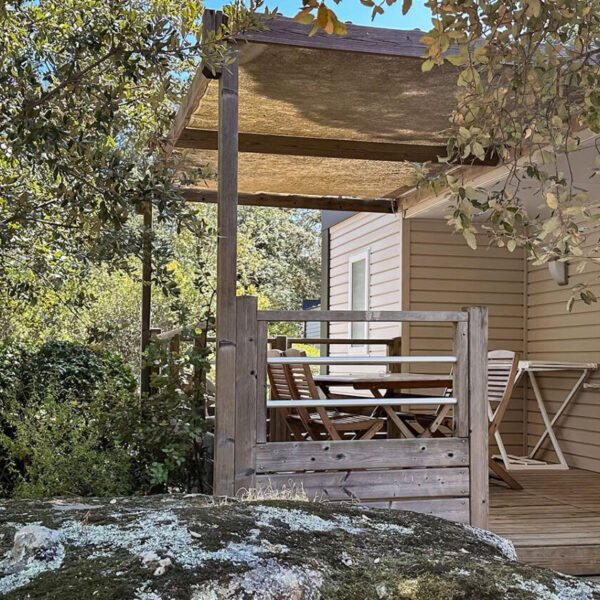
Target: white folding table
x=530 y=369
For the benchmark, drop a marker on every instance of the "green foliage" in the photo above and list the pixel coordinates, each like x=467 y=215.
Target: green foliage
x=68 y=412
x=527 y=91
x=176 y=452
x=88 y=92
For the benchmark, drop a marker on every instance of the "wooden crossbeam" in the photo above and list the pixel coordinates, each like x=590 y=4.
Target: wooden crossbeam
x=369 y=40
x=343 y=203
x=206 y=139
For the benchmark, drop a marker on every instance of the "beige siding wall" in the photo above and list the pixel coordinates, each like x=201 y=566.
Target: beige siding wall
x=555 y=334
x=443 y=273
x=381 y=235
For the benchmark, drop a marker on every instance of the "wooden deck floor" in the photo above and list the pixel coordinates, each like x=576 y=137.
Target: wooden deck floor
x=554 y=521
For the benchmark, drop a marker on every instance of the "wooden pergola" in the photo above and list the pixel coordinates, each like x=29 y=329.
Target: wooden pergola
x=322 y=122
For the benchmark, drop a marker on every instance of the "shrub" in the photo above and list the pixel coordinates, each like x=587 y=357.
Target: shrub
x=177 y=451
x=68 y=413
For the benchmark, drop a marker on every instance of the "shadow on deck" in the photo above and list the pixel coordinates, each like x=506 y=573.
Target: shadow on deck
x=554 y=521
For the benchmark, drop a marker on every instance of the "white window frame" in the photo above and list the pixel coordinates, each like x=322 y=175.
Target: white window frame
x=365 y=255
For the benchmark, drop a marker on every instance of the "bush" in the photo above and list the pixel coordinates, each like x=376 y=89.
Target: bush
x=68 y=413
x=177 y=450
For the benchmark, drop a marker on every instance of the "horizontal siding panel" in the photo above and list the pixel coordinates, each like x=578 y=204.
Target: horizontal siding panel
x=457 y=274
x=452 y=285
x=566 y=332
x=471 y=262
x=558 y=346
x=359 y=222
x=463 y=251
x=471 y=297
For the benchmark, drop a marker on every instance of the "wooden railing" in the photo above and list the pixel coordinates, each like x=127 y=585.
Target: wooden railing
x=446 y=476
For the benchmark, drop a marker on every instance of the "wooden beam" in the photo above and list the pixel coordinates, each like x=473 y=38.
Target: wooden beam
x=478 y=415
x=352 y=316
x=225 y=409
x=415 y=197
x=211 y=20
x=370 y=40
x=292 y=145
x=189 y=106
x=246 y=392
x=206 y=139
x=342 y=203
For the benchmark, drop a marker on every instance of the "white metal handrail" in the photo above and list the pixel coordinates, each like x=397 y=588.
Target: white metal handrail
x=345 y=402
x=356 y=360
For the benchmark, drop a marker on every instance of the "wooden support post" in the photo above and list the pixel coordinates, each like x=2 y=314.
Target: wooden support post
x=226 y=281
x=278 y=431
x=246 y=392
x=280 y=343
x=261 y=382
x=394 y=348
x=478 y=415
x=460 y=385
x=146 y=316
x=325 y=285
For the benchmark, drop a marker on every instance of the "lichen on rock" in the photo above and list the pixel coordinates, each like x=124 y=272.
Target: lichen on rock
x=192 y=548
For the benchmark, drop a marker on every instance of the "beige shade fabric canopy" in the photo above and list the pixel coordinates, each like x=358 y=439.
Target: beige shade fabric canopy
x=329 y=95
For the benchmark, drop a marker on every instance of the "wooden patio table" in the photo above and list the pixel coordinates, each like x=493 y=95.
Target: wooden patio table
x=391 y=383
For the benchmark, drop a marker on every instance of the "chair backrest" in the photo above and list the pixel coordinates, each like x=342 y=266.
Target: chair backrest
x=302 y=383
x=502 y=373
x=303 y=387
x=278 y=379
x=283 y=388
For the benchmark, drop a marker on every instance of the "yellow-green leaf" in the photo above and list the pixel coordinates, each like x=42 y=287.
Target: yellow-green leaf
x=427 y=65
x=304 y=16
x=322 y=16
x=470 y=239
x=551 y=200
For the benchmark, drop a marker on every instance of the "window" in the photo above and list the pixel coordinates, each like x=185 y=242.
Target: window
x=359 y=292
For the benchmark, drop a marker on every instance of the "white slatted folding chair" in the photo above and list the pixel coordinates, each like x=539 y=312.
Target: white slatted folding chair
x=503 y=366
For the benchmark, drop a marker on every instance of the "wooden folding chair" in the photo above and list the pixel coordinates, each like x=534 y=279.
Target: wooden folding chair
x=295 y=381
x=502 y=374
x=298 y=419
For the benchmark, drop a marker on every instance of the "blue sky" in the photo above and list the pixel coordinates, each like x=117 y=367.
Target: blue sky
x=355 y=12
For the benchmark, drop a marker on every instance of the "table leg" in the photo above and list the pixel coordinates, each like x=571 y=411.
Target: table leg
x=574 y=391
x=547 y=424
x=397 y=421
x=402 y=427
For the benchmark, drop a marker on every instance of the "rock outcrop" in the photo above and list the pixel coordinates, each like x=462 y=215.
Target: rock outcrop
x=194 y=548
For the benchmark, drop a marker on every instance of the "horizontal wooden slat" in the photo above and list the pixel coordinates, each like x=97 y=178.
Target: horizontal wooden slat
x=206 y=139
x=357 y=315
x=453 y=509
x=343 y=203
x=359 y=402
x=374 y=485
x=333 y=341
x=357 y=360
x=370 y=40
x=371 y=454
